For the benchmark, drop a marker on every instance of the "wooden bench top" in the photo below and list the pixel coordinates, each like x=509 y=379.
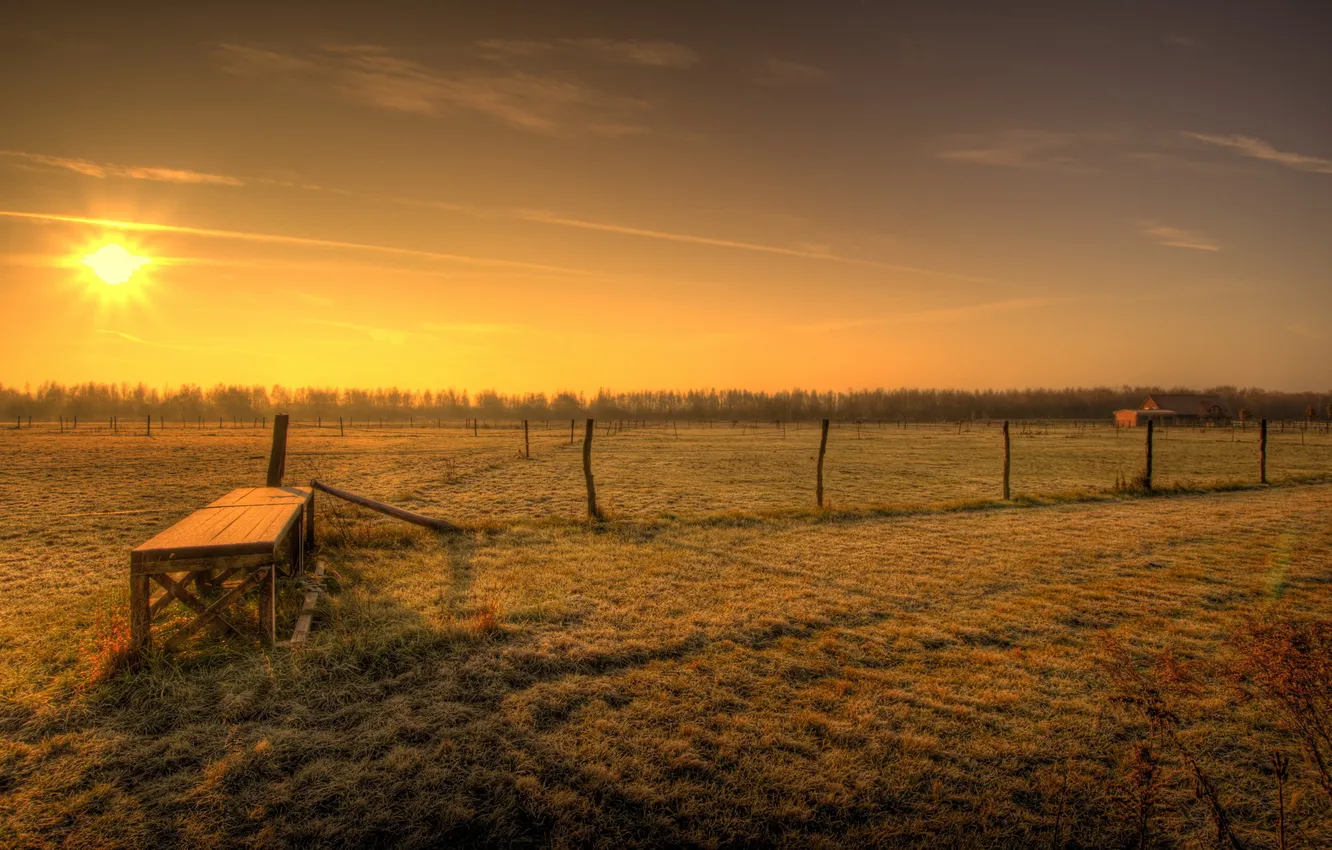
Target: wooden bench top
x=264 y=496
x=219 y=531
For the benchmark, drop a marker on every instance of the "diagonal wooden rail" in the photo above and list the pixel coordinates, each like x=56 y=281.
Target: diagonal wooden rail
x=389 y=510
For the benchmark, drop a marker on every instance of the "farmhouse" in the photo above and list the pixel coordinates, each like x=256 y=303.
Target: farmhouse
x=1174 y=409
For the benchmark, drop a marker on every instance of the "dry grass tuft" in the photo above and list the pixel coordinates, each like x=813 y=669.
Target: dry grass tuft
x=104 y=650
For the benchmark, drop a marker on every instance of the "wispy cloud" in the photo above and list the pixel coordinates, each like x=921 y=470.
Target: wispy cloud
x=474 y=328
x=277 y=239
x=606 y=227
x=649 y=53
x=1186 y=41
x=89 y=168
x=1305 y=330
x=245 y=60
x=1034 y=149
x=392 y=336
x=1176 y=237
x=654 y=54
x=131 y=338
x=943 y=315
x=784 y=72
x=1169 y=161
x=545 y=100
x=1259 y=149
x=307 y=297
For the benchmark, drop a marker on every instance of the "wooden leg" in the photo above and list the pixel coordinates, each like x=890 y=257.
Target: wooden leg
x=294 y=540
x=141 y=622
x=268 y=606
x=309 y=525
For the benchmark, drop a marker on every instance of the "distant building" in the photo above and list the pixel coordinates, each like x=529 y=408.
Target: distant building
x=1174 y=409
x=1130 y=418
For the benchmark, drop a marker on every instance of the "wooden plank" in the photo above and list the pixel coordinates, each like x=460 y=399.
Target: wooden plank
x=302 y=630
x=263 y=496
x=198 y=527
x=221 y=531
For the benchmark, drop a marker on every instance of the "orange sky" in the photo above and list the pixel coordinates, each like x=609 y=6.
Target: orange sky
x=631 y=200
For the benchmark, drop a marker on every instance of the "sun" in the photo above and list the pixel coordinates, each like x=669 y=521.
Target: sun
x=113 y=264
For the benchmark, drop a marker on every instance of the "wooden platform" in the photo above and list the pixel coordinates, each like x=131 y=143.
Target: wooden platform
x=248 y=521
x=241 y=534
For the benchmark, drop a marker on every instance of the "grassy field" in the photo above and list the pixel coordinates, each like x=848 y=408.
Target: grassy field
x=716 y=664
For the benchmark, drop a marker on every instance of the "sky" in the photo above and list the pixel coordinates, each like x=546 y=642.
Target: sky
x=538 y=196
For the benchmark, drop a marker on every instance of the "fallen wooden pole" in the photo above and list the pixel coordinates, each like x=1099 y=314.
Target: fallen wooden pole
x=398 y=513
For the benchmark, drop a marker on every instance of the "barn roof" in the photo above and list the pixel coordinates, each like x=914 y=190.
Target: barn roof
x=1186 y=404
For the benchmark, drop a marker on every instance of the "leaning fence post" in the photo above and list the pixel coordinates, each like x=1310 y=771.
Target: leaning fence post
x=592 y=511
x=1262 y=451
x=527 y=445
x=823 y=447
x=1147 y=475
x=341 y=433
x=277 y=457
x=1006 y=460
x=571 y=431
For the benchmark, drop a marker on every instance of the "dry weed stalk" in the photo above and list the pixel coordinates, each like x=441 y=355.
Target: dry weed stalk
x=1154 y=691
x=1288 y=664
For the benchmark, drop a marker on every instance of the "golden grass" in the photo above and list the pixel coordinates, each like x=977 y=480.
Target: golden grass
x=714 y=671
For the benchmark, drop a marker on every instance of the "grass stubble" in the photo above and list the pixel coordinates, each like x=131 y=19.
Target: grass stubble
x=1078 y=670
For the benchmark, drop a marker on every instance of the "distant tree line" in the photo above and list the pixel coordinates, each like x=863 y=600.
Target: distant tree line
x=189 y=402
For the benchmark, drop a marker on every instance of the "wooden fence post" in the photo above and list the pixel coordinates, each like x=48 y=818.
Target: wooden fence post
x=823 y=447
x=1262 y=452
x=277 y=457
x=592 y=510
x=150 y=425
x=1007 y=465
x=527 y=444
x=571 y=431
x=341 y=433
x=473 y=426
x=1147 y=475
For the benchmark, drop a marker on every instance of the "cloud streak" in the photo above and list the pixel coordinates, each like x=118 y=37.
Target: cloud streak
x=104 y=170
x=1176 y=237
x=605 y=227
x=392 y=336
x=277 y=239
x=1028 y=149
x=1259 y=149
x=543 y=101
x=784 y=72
x=942 y=315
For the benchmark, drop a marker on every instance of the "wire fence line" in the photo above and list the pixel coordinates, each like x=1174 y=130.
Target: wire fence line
x=684 y=467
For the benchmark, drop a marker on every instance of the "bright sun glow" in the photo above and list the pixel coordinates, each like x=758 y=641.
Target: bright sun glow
x=113 y=264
